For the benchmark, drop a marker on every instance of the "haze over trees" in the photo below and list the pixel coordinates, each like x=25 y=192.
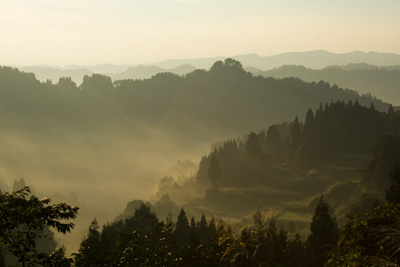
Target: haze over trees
x=24 y=226
x=113 y=71
x=367 y=73
x=173 y=115
x=311 y=59
x=324 y=153
x=381 y=82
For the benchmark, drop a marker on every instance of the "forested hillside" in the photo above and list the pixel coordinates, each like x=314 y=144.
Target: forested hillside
x=116 y=139
x=221 y=100
x=114 y=72
x=175 y=116
x=342 y=150
x=382 y=82
x=317 y=210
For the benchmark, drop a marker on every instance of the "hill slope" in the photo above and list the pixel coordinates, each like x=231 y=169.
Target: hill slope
x=310 y=59
x=135 y=130
x=383 y=82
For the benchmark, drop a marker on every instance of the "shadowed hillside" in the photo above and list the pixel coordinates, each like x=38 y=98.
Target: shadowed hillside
x=116 y=139
x=382 y=82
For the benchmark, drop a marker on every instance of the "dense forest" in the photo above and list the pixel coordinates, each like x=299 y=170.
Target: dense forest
x=168 y=115
x=114 y=72
x=318 y=188
x=344 y=151
x=294 y=157
x=381 y=82
x=169 y=99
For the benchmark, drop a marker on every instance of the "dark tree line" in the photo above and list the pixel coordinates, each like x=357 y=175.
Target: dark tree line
x=198 y=96
x=143 y=240
x=372 y=238
x=334 y=130
x=24 y=223
x=369 y=239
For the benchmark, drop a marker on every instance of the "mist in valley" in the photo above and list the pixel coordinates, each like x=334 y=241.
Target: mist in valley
x=199 y=133
x=100 y=145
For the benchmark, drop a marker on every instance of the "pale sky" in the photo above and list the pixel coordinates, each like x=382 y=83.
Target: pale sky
x=62 y=32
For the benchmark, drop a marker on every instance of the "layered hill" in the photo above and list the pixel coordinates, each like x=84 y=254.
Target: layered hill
x=134 y=130
x=382 y=82
x=116 y=139
x=286 y=168
x=76 y=73
x=311 y=59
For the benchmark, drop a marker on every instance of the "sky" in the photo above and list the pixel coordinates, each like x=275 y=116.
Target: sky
x=63 y=32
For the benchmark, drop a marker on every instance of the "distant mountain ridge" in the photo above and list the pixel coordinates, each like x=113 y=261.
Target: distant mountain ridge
x=130 y=131
x=311 y=59
x=43 y=73
x=146 y=72
x=382 y=82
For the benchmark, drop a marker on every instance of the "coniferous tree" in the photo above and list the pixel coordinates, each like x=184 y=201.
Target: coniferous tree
x=214 y=170
x=203 y=231
x=273 y=141
x=295 y=253
x=194 y=238
x=372 y=106
x=182 y=228
x=308 y=129
x=295 y=133
x=89 y=251
x=308 y=124
x=253 y=147
x=323 y=236
x=390 y=111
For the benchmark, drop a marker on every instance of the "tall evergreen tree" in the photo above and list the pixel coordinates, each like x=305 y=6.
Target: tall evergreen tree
x=89 y=251
x=273 y=141
x=182 y=228
x=372 y=106
x=214 y=170
x=323 y=236
x=295 y=133
x=194 y=238
x=308 y=124
x=204 y=233
x=390 y=111
x=253 y=147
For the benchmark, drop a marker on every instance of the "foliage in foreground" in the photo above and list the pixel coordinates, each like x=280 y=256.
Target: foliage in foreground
x=143 y=240
x=24 y=219
x=373 y=238
x=368 y=239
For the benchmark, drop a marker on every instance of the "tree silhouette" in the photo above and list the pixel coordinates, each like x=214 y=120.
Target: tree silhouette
x=89 y=250
x=214 y=170
x=390 y=111
x=253 y=147
x=182 y=228
x=23 y=219
x=295 y=133
x=273 y=141
x=323 y=236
